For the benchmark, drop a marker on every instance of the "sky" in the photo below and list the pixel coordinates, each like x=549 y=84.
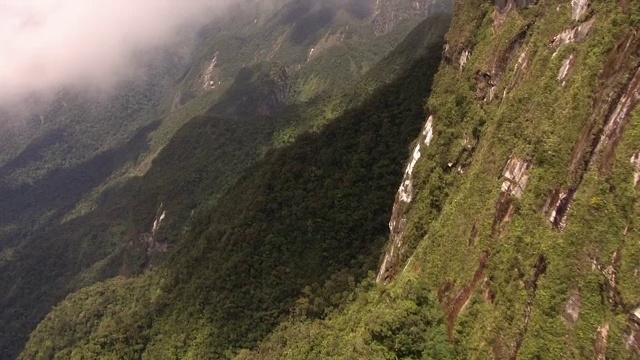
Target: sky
x=46 y=44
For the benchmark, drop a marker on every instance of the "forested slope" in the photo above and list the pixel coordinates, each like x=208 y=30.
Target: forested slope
x=514 y=233
x=94 y=188
x=309 y=215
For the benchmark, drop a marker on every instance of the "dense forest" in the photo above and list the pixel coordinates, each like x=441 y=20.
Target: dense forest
x=364 y=187
x=304 y=224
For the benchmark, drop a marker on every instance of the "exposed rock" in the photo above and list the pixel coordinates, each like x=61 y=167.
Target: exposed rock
x=572 y=307
x=617 y=121
x=485 y=86
x=636 y=315
x=158 y=222
x=610 y=288
x=455 y=303
x=578 y=8
x=209 y=79
x=404 y=197
x=613 y=104
x=575 y=34
x=602 y=339
x=148 y=239
x=635 y=161
x=464 y=57
x=405 y=191
x=516 y=174
x=558 y=206
x=523 y=60
x=632 y=341
x=567 y=65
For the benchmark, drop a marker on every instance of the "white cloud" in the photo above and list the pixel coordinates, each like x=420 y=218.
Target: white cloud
x=45 y=44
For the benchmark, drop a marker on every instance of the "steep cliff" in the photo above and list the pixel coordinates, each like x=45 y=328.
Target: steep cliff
x=514 y=231
x=534 y=125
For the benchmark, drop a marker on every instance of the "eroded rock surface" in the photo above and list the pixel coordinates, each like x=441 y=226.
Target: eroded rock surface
x=635 y=161
x=516 y=174
x=573 y=35
x=572 y=307
x=404 y=197
x=567 y=65
x=579 y=8
x=464 y=57
x=602 y=340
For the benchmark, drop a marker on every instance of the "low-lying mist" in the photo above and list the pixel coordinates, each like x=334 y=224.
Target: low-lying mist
x=49 y=44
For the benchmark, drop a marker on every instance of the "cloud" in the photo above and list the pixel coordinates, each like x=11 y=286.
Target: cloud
x=46 y=44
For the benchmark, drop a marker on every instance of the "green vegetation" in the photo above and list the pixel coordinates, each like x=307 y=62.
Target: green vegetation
x=403 y=321
x=279 y=265
x=83 y=185
x=510 y=282
x=311 y=213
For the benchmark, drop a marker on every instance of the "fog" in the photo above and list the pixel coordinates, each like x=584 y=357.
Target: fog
x=48 y=44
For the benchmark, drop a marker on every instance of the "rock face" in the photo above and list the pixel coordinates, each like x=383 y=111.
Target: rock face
x=635 y=161
x=602 y=340
x=575 y=34
x=572 y=307
x=516 y=177
x=516 y=173
x=464 y=57
x=209 y=78
x=552 y=123
x=564 y=70
x=397 y=225
x=578 y=8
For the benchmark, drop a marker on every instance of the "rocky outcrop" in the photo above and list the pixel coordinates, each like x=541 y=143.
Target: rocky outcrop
x=464 y=57
x=398 y=223
x=516 y=176
x=572 y=307
x=149 y=240
x=209 y=78
x=557 y=207
x=602 y=340
x=635 y=162
x=158 y=222
x=567 y=65
x=579 y=8
x=575 y=34
x=516 y=173
x=617 y=121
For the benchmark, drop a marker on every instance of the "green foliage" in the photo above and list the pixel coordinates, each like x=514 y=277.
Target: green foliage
x=314 y=212
x=82 y=185
x=403 y=321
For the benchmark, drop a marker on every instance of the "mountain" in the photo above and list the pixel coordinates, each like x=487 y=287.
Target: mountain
x=514 y=231
x=123 y=186
x=489 y=179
